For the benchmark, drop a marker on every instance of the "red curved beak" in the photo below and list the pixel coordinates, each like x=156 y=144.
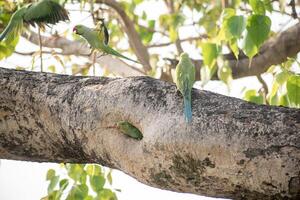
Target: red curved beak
x=75 y=30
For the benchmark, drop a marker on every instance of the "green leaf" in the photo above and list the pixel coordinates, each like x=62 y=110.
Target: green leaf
x=53 y=182
x=206 y=74
x=210 y=54
x=257 y=31
x=63 y=184
x=235 y=26
x=50 y=174
x=75 y=171
x=249 y=47
x=258 y=6
x=273 y=97
x=225 y=74
x=109 y=177
x=106 y=194
x=253 y=96
x=258 y=27
x=78 y=192
x=93 y=169
x=293 y=90
x=227 y=13
x=173 y=34
x=282 y=77
x=97 y=183
x=234 y=48
x=52 y=68
x=283 y=100
x=268 y=5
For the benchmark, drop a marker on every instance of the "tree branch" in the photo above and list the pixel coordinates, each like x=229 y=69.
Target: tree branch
x=181 y=40
x=134 y=40
x=232 y=149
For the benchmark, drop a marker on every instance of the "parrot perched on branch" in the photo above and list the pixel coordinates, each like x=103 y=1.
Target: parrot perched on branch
x=185 y=79
x=41 y=13
x=98 y=39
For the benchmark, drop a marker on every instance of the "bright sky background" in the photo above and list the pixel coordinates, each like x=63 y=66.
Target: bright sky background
x=26 y=180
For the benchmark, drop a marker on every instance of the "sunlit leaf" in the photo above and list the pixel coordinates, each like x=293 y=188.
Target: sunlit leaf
x=254 y=96
x=50 y=174
x=258 y=6
x=210 y=54
x=293 y=90
x=258 y=27
x=97 y=183
x=225 y=74
x=93 y=169
x=235 y=25
x=53 y=182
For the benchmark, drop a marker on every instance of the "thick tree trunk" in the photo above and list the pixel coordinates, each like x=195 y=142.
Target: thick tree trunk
x=232 y=149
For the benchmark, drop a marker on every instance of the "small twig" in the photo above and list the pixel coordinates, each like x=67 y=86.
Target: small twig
x=264 y=86
x=182 y=40
x=41 y=48
x=294 y=12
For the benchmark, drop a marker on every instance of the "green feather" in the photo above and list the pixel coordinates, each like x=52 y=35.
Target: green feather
x=130 y=130
x=185 y=79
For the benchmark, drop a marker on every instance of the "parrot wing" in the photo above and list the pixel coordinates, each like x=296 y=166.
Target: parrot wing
x=45 y=11
x=14 y=27
x=105 y=34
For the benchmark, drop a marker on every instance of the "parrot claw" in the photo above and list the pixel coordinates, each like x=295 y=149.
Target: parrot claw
x=103 y=54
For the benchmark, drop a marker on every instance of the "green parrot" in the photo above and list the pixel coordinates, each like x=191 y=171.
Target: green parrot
x=185 y=79
x=130 y=130
x=98 y=39
x=41 y=13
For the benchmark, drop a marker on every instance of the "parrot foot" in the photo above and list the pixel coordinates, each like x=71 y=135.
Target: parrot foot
x=102 y=54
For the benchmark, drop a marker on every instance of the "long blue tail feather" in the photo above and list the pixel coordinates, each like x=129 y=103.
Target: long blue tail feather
x=187 y=109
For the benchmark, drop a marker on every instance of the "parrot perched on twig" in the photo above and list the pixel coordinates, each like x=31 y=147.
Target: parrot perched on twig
x=185 y=79
x=98 y=39
x=41 y=13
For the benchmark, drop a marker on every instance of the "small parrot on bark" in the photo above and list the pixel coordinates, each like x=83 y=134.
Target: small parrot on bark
x=130 y=130
x=98 y=39
x=185 y=79
x=41 y=13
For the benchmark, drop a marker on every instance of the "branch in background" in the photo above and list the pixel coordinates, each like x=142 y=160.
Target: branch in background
x=78 y=48
x=275 y=51
x=263 y=83
x=181 y=40
x=171 y=8
x=293 y=6
x=134 y=40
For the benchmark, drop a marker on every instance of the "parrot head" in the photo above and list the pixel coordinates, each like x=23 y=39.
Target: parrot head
x=184 y=56
x=78 y=29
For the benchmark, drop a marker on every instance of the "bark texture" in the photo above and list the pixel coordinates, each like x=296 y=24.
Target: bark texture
x=232 y=148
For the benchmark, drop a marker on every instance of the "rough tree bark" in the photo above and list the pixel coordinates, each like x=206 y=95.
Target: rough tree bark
x=232 y=149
